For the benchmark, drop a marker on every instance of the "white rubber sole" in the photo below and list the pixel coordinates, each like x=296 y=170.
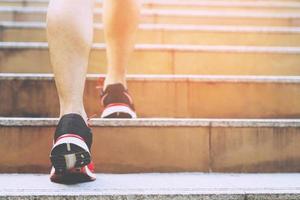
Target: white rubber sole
x=70 y=158
x=72 y=140
x=90 y=173
x=118 y=109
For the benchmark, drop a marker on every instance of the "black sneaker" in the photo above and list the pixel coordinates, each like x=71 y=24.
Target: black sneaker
x=117 y=102
x=70 y=155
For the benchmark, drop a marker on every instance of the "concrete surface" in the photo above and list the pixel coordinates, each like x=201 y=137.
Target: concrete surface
x=159 y=122
x=183 y=96
x=156 y=186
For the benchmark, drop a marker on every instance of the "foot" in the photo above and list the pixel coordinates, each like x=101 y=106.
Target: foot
x=117 y=102
x=70 y=155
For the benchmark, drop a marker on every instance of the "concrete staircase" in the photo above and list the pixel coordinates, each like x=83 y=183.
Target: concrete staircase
x=192 y=186
x=217 y=89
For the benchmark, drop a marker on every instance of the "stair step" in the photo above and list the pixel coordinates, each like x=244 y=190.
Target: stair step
x=181 y=96
x=171 y=34
x=262 y=6
x=172 y=16
x=165 y=59
x=190 y=186
x=161 y=145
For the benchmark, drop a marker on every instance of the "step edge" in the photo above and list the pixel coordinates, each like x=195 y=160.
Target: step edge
x=178 y=78
x=170 y=47
x=219 y=185
x=160 y=122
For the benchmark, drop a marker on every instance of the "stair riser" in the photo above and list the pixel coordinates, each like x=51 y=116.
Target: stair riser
x=164 y=61
x=16 y=16
x=194 y=99
x=164 y=149
x=171 y=37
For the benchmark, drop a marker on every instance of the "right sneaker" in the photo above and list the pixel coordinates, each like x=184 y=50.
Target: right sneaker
x=70 y=155
x=117 y=102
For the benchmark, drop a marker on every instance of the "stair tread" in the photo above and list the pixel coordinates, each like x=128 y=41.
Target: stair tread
x=154 y=184
x=154 y=122
x=167 y=77
x=170 y=47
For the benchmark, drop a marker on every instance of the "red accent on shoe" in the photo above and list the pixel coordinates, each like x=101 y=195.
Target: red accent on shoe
x=129 y=97
x=69 y=135
x=91 y=166
x=76 y=173
x=117 y=104
x=100 y=82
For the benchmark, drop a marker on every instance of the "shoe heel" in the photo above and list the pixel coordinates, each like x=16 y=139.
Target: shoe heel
x=66 y=161
x=82 y=159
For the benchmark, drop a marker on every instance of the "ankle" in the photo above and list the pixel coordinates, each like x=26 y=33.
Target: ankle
x=80 y=112
x=109 y=80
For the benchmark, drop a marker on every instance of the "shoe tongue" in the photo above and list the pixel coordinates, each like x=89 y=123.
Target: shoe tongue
x=115 y=87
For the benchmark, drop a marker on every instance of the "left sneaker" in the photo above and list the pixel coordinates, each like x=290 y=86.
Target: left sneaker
x=70 y=155
x=117 y=102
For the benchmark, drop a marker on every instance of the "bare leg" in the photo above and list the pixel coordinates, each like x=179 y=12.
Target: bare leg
x=120 y=20
x=70 y=34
